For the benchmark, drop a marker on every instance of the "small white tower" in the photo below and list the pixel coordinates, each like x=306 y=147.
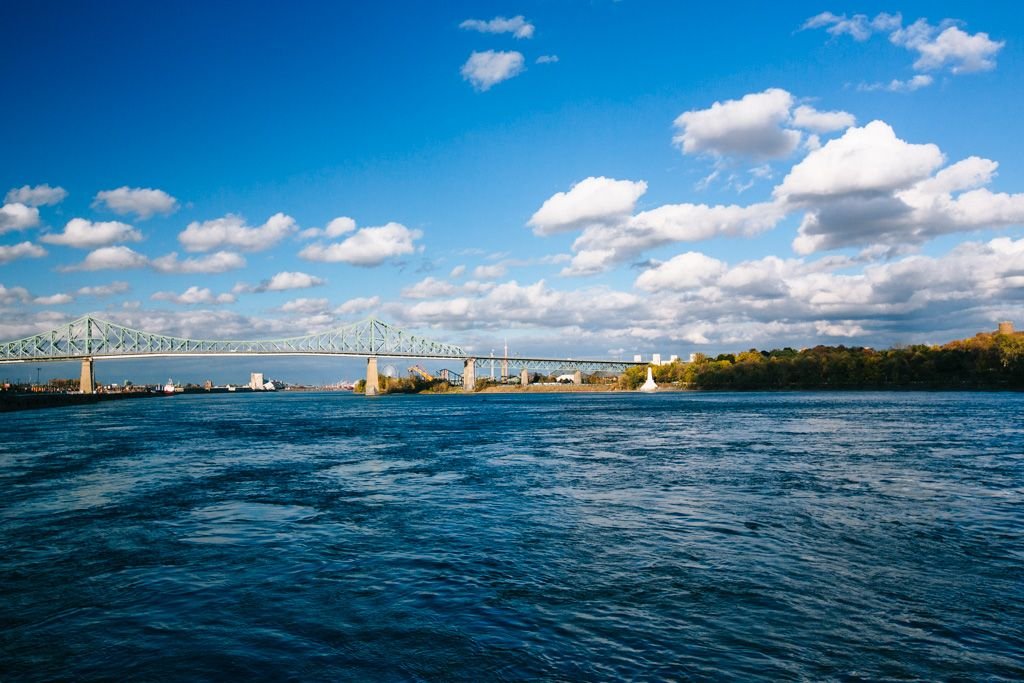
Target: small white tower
x=649 y=385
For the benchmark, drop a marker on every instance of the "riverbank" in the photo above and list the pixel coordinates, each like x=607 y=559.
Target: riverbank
x=10 y=402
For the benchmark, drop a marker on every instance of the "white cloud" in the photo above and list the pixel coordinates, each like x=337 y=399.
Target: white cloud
x=517 y=26
x=859 y=27
x=336 y=228
x=938 y=47
x=486 y=69
x=53 y=299
x=358 y=305
x=304 y=306
x=218 y=262
x=457 y=271
x=685 y=271
x=809 y=118
x=592 y=201
x=283 y=281
x=144 y=202
x=17 y=216
x=895 y=85
x=952 y=47
x=105 y=290
x=40 y=195
x=83 y=234
x=490 y=272
x=231 y=231
x=10 y=295
x=194 y=295
x=429 y=288
x=751 y=126
x=110 y=258
x=868 y=159
x=602 y=247
x=367 y=247
x=547 y=59
x=870 y=188
x=20 y=250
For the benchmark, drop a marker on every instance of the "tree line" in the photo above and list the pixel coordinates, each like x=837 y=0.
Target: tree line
x=986 y=361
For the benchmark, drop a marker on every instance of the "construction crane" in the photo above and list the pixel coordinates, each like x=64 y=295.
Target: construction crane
x=422 y=373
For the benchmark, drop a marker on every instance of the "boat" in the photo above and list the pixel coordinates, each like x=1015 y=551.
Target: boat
x=169 y=387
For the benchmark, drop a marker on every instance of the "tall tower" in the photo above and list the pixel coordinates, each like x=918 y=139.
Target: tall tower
x=1005 y=327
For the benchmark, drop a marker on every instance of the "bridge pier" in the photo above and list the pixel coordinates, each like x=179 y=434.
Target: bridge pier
x=524 y=377
x=469 y=374
x=577 y=377
x=372 y=378
x=87 y=384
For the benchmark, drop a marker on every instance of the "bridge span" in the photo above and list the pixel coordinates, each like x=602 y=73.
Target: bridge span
x=89 y=339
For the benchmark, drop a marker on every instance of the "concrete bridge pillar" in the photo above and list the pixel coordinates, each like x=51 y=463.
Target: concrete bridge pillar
x=469 y=374
x=87 y=384
x=524 y=377
x=372 y=379
x=577 y=377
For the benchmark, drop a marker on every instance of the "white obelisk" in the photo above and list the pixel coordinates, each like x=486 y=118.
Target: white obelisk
x=649 y=385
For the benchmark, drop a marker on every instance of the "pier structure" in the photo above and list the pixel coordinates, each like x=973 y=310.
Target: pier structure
x=89 y=339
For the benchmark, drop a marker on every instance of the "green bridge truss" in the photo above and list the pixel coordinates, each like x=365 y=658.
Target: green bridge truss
x=90 y=337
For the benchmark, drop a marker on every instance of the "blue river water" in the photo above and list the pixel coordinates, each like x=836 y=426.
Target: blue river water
x=684 y=536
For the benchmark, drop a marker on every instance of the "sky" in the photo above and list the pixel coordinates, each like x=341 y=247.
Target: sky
x=582 y=179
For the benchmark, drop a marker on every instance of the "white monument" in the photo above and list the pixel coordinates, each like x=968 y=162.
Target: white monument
x=649 y=385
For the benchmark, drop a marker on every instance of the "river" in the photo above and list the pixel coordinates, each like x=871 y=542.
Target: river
x=682 y=536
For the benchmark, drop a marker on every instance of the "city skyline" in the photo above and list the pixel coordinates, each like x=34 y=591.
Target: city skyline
x=599 y=179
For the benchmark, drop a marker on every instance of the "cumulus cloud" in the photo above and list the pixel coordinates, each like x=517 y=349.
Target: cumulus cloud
x=367 y=247
x=118 y=287
x=10 y=295
x=945 y=46
x=40 y=195
x=592 y=201
x=429 y=288
x=752 y=126
x=218 y=262
x=358 y=305
x=53 y=299
x=859 y=26
x=194 y=295
x=304 y=306
x=547 y=59
x=17 y=216
x=486 y=69
x=144 y=202
x=811 y=119
x=685 y=271
x=870 y=188
x=518 y=26
x=603 y=207
x=896 y=85
x=282 y=281
x=490 y=272
x=20 y=250
x=948 y=46
x=335 y=228
x=110 y=258
x=83 y=234
x=231 y=231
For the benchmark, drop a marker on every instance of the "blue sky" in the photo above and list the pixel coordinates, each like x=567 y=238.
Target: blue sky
x=592 y=178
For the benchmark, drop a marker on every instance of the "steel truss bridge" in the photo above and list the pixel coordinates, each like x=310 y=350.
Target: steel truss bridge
x=89 y=338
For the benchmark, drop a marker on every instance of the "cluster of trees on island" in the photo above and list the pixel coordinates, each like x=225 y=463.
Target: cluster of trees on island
x=986 y=361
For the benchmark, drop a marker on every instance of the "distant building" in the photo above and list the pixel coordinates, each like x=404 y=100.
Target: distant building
x=673 y=358
x=638 y=358
x=256 y=381
x=1005 y=327
x=656 y=359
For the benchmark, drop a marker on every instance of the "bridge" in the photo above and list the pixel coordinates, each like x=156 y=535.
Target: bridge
x=89 y=338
